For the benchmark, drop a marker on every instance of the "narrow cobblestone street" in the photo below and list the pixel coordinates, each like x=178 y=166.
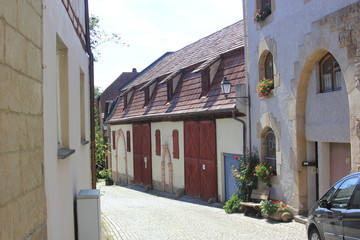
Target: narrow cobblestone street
x=130 y=213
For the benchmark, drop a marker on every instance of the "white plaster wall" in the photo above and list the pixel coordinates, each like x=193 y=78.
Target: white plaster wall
x=229 y=139
x=166 y=129
x=119 y=160
x=288 y=27
x=324 y=167
x=327 y=114
x=63 y=178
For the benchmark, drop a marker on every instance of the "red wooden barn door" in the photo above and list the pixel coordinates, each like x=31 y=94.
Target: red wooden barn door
x=192 y=176
x=207 y=160
x=200 y=159
x=142 y=154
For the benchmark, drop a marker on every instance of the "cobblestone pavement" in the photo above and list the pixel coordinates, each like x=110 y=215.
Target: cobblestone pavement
x=130 y=213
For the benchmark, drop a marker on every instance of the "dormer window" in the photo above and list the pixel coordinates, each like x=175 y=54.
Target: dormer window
x=146 y=96
x=108 y=105
x=125 y=100
x=169 y=90
x=205 y=81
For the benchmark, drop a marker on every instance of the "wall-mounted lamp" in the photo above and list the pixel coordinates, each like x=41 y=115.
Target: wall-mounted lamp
x=226 y=86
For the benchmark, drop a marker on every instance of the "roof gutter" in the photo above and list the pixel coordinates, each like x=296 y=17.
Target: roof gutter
x=92 y=97
x=172 y=116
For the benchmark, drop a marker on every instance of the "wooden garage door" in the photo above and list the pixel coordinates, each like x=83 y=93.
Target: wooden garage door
x=200 y=159
x=142 y=154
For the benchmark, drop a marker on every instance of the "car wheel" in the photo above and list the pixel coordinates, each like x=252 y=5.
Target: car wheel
x=314 y=234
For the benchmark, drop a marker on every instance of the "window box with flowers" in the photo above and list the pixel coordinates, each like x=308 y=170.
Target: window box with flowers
x=264 y=87
x=261 y=14
x=264 y=173
x=276 y=210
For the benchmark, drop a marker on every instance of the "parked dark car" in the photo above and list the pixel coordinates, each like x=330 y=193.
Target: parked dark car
x=337 y=214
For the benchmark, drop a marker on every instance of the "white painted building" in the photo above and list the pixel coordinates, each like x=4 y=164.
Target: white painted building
x=310 y=49
x=66 y=94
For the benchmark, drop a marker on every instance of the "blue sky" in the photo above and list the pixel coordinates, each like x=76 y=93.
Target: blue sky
x=153 y=27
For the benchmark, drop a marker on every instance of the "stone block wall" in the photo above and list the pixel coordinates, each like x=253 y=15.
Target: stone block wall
x=22 y=191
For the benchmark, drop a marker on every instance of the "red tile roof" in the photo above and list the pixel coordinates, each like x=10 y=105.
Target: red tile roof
x=202 y=51
x=225 y=45
x=112 y=91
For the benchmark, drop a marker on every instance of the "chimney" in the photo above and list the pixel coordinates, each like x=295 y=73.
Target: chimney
x=134 y=70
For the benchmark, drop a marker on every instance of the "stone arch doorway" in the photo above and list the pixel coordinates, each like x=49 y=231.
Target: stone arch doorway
x=313 y=144
x=121 y=151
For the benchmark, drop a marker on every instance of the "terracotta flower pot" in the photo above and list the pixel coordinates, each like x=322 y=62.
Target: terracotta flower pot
x=109 y=182
x=281 y=216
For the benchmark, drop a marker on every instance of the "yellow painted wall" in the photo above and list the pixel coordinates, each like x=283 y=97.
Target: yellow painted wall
x=166 y=129
x=229 y=139
x=118 y=157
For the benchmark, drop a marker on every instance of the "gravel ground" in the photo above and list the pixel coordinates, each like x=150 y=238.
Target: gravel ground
x=130 y=213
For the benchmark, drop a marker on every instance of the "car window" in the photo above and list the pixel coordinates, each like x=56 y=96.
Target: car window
x=342 y=196
x=329 y=193
x=355 y=201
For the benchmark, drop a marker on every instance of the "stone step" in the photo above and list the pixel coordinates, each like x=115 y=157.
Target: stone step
x=300 y=219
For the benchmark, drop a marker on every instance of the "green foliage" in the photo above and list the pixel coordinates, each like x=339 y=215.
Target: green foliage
x=101 y=147
x=97 y=92
x=270 y=207
x=99 y=36
x=264 y=87
x=261 y=14
x=245 y=174
x=264 y=173
x=106 y=174
x=233 y=204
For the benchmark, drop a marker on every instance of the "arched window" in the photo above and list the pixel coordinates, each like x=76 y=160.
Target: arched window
x=330 y=74
x=266 y=4
x=269 y=66
x=270 y=148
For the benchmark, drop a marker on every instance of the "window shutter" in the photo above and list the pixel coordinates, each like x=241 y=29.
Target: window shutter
x=175 y=136
x=113 y=140
x=128 y=146
x=157 y=143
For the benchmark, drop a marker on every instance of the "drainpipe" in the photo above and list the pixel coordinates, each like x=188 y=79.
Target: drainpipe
x=245 y=3
x=244 y=129
x=92 y=98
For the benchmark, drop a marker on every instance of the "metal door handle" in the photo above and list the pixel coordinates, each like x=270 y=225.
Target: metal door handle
x=145 y=161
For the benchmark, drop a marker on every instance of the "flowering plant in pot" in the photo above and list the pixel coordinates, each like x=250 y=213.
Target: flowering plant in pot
x=264 y=87
x=107 y=175
x=264 y=173
x=261 y=14
x=276 y=210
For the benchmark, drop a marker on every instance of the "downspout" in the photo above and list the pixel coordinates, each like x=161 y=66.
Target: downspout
x=247 y=67
x=92 y=98
x=244 y=129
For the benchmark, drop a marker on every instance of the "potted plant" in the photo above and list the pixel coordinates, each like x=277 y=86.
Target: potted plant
x=276 y=210
x=107 y=175
x=261 y=14
x=264 y=172
x=264 y=87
